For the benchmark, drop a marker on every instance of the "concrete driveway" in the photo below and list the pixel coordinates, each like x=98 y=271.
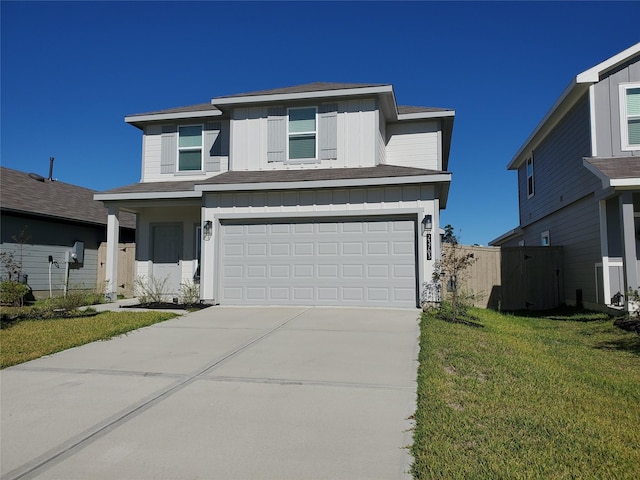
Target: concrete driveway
x=224 y=393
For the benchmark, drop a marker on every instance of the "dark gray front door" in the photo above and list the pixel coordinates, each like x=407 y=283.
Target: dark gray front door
x=166 y=248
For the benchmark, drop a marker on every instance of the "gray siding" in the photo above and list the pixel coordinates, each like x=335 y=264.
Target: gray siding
x=53 y=238
x=560 y=178
x=607 y=107
x=576 y=229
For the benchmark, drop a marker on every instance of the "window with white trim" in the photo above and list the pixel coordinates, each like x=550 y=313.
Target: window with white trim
x=545 y=239
x=302 y=133
x=190 y=148
x=531 y=190
x=630 y=116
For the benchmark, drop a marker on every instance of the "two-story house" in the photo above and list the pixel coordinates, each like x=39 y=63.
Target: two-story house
x=579 y=182
x=319 y=194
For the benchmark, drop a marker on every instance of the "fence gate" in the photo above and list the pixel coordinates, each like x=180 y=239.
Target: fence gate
x=126 y=267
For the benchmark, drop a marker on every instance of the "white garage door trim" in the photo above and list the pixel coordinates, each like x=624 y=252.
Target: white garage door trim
x=337 y=260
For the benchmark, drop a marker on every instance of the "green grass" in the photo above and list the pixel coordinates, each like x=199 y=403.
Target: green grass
x=527 y=397
x=30 y=339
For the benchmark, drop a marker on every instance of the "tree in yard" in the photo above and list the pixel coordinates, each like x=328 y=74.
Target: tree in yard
x=452 y=268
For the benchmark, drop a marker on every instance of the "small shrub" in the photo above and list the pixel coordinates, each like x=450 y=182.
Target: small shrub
x=151 y=290
x=189 y=293
x=13 y=293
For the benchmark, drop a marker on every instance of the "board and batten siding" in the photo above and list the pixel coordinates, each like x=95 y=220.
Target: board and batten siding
x=382 y=139
x=559 y=175
x=159 y=165
x=413 y=144
x=607 y=111
x=354 y=121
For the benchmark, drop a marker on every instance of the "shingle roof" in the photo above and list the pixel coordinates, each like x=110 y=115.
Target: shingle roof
x=404 y=109
x=617 y=167
x=22 y=194
x=278 y=176
x=309 y=175
x=148 y=187
x=307 y=87
x=200 y=107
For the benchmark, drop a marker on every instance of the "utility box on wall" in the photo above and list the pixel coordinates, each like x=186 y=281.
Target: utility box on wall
x=75 y=258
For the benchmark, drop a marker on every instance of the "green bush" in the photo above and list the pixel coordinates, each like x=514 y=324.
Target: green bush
x=13 y=293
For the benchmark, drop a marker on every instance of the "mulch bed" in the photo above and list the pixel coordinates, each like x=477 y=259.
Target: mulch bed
x=169 y=306
x=628 y=324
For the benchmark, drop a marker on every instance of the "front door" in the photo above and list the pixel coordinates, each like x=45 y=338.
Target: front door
x=166 y=248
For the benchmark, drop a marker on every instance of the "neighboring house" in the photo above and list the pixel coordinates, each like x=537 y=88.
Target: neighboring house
x=54 y=216
x=319 y=194
x=579 y=182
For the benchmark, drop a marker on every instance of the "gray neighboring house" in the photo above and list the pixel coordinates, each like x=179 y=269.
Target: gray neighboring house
x=56 y=216
x=579 y=182
x=317 y=194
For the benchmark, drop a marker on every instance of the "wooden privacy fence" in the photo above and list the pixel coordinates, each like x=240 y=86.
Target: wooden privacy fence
x=514 y=278
x=126 y=267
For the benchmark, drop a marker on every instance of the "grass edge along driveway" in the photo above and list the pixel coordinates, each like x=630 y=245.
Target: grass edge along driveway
x=527 y=398
x=30 y=339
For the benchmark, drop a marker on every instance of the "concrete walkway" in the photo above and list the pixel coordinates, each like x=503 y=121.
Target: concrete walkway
x=223 y=393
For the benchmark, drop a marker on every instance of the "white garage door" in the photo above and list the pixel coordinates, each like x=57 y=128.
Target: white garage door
x=369 y=262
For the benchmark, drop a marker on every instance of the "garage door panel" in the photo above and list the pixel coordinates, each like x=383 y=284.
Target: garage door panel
x=325 y=262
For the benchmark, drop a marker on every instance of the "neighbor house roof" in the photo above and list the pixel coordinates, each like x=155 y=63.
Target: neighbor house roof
x=569 y=97
x=283 y=179
x=615 y=172
x=32 y=195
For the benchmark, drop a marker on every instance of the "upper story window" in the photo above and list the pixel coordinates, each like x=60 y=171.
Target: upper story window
x=630 y=116
x=190 y=148
x=302 y=133
x=530 y=181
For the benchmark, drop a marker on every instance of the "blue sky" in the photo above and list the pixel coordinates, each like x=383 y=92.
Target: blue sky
x=71 y=71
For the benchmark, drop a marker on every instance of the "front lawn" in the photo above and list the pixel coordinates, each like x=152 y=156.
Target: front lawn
x=527 y=397
x=30 y=339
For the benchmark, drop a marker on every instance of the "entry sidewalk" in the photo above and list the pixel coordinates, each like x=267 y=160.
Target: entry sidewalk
x=223 y=393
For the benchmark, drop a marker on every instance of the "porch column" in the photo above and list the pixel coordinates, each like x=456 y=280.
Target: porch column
x=604 y=253
x=113 y=238
x=627 y=224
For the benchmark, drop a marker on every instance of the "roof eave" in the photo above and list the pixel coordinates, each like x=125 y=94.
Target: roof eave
x=147 y=195
x=567 y=99
x=444 y=177
x=140 y=120
x=284 y=97
x=505 y=237
x=426 y=115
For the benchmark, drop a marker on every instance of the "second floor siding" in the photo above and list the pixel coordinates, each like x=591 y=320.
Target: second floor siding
x=160 y=155
x=559 y=177
x=609 y=142
x=414 y=144
x=343 y=133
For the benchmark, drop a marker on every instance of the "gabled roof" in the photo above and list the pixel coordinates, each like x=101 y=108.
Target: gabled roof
x=29 y=195
x=569 y=97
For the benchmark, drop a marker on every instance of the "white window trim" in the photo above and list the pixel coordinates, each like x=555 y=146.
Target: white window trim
x=533 y=181
x=545 y=235
x=315 y=132
x=185 y=149
x=624 y=118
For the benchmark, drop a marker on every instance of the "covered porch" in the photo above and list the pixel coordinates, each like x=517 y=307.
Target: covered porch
x=618 y=273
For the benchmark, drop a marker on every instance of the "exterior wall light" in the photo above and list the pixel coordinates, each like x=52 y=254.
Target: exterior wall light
x=427 y=226
x=207 y=229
